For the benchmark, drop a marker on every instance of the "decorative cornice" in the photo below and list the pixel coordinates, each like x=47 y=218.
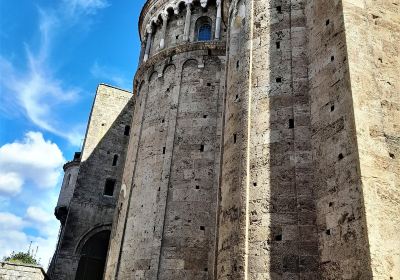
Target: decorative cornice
x=185 y=47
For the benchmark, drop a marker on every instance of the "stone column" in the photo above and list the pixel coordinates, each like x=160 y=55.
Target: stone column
x=218 y=20
x=149 y=30
x=164 y=29
x=142 y=50
x=187 y=20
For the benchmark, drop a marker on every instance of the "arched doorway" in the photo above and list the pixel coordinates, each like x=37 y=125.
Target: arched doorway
x=93 y=257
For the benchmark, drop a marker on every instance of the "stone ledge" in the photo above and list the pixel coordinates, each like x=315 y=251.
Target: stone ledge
x=185 y=47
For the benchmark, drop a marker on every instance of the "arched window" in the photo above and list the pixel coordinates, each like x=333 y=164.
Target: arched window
x=203 y=29
x=204 y=32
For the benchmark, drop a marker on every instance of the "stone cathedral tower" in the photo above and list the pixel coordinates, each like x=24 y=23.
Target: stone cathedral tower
x=263 y=144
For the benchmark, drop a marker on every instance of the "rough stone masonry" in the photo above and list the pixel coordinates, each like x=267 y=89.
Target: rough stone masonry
x=261 y=141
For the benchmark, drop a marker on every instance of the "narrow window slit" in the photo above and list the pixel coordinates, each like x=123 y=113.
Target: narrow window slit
x=163 y=150
x=201 y=148
x=291 y=123
x=127 y=130
x=115 y=160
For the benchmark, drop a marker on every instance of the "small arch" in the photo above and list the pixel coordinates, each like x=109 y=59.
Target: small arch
x=91 y=232
x=203 y=31
x=153 y=76
x=190 y=62
x=168 y=68
x=139 y=89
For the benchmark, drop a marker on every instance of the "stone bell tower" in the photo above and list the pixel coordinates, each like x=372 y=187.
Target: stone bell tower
x=166 y=221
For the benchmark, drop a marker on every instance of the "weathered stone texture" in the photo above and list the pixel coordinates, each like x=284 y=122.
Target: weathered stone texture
x=90 y=210
x=272 y=153
x=372 y=40
x=12 y=271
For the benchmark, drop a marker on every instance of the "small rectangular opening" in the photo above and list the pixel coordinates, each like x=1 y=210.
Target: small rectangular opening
x=237 y=64
x=209 y=52
x=127 y=130
x=202 y=228
x=278 y=45
x=278 y=80
x=340 y=156
x=327 y=22
x=279 y=9
x=204 y=116
x=201 y=148
x=332 y=58
x=234 y=138
x=291 y=123
x=208 y=84
x=197 y=187
x=109 y=187
x=163 y=150
x=278 y=237
x=332 y=108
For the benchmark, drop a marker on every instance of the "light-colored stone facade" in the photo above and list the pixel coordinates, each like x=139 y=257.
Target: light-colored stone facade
x=268 y=150
x=91 y=210
x=15 y=271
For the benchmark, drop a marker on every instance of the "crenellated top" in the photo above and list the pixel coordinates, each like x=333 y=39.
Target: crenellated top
x=170 y=23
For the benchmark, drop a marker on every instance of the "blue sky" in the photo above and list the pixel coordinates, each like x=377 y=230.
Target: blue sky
x=53 y=54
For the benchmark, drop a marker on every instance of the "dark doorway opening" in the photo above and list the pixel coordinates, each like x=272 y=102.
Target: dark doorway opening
x=93 y=257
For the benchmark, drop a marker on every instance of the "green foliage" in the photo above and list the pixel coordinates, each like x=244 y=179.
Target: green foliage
x=21 y=257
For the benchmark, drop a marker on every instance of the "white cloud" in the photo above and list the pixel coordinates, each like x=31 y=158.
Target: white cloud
x=9 y=221
x=36 y=90
x=85 y=6
x=10 y=183
x=37 y=214
x=33 y=159
x=38 y=94
x=104 y=73
x=13 y=237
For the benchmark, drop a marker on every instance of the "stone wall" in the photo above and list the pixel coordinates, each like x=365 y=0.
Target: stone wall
x=91 y=210
x=12 y=271
x=173 y=160
x=267 y=216
x=373 y=49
